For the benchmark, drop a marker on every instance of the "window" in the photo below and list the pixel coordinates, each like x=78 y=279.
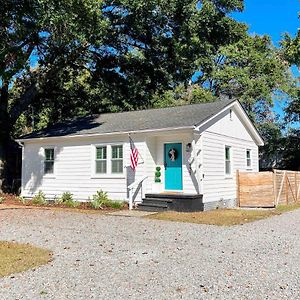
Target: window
x=49 y=161
x=227 y=160
x=117 y=159
x=101 y=160
x=248 y=158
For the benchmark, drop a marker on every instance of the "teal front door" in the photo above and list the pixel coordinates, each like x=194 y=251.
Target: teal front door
x=173 y=166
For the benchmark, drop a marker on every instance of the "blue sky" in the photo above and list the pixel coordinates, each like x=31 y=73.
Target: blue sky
x=274 y=18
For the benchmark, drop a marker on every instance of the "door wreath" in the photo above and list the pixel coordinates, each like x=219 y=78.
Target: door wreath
x=173 y=154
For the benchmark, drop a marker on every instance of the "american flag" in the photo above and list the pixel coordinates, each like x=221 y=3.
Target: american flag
x=134 y=155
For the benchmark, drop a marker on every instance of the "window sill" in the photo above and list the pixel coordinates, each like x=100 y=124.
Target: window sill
x=228 y=177
x=108 y=176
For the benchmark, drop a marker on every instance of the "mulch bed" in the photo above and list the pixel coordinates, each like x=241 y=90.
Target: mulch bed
x=12 y=200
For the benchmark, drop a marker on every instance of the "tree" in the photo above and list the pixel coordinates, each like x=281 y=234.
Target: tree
x=251 y=70
x=80 y=56
x=291 y=49
x=42 y=32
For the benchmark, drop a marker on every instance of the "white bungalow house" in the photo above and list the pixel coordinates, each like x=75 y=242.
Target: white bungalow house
x=185 y=152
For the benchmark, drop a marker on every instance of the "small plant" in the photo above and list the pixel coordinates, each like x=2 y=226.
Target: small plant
x=39 y=199
x=157 y=174
x=67 y=199
x=22 y=199
x=2 y=199
x=101 y=200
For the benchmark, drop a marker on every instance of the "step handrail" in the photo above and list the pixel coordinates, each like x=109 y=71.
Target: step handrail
x=132 y=186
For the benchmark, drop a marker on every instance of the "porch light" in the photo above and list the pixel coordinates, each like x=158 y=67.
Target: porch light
x=188 y=147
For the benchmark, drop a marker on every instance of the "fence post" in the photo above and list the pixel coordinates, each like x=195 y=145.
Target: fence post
x=238 y=188
x=286 y=188
x=275 y=187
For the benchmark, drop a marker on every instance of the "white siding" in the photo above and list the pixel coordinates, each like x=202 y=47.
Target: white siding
x=230 y=132
x=73 y=169
x=74 y=165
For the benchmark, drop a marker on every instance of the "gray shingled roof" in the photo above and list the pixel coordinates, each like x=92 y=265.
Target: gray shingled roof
x=170 y=117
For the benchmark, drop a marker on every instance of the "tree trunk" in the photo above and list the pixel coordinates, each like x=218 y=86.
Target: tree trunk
x=5 y=131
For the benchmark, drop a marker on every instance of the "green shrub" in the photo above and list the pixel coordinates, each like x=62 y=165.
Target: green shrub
x=67 y=199
x=39 y=199
x=101 y=200
x=72 y=203
x=1 y=199
x=157 y=174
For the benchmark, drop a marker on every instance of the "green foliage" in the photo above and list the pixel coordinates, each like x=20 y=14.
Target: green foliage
x=251 y=70
x=291 y=52
x=101 y=200
x=182 y=95
x=39 y=199
x=23 y=200
x=67 y=200
x=157 y=174
x=2 y=199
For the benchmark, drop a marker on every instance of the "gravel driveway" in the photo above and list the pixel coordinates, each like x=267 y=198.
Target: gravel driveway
x=112 y=257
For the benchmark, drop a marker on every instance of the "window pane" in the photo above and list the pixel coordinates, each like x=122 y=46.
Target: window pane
x=228 y=167
x=101 y=166
x=49 y=154
x=248 y=153
x=117 y=151
x=101 y=153
x=227 y=153
x=117 y=166
x=48 y=167
x=248 y=162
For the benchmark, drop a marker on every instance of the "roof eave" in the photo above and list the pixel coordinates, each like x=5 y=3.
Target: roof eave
x=104 y=134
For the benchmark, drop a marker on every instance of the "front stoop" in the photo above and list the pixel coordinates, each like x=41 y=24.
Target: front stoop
x=175 y=202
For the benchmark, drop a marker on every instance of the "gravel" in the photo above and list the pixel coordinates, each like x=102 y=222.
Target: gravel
x=115 y=257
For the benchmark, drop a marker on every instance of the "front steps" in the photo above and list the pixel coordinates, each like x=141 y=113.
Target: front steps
x=176 y=202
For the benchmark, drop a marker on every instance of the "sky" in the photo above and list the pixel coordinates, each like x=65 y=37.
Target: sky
x=274 y=18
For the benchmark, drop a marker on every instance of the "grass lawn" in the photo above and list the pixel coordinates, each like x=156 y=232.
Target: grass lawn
x=16 y=258
x=223 y=217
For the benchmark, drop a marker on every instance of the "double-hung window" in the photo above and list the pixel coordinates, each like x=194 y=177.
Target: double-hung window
x=49 y=161
x=227 y=160
x=101 y=160
x=108 y=159
x=117 y=159
x=248 y=158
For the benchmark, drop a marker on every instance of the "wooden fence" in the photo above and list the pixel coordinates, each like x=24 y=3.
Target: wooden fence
x=268 y=189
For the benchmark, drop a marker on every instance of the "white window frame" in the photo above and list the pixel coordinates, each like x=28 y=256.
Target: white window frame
x=108 y=173
x=49 y=175
x=117 y=159
x=228 y=175
x=249 y=159
x=100 y=159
